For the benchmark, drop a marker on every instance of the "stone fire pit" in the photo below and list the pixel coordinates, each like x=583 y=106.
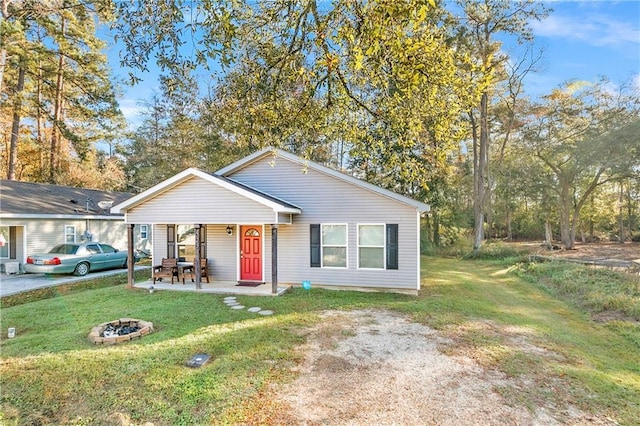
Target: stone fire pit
x=119 y=331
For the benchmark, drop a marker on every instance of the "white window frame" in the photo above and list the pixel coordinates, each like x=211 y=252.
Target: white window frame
x=144 y=232
x=7 y=243
x=346 y=245
x=179 y=244
x=67 y=233
x=383 y=246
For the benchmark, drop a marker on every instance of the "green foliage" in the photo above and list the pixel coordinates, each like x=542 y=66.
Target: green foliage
x=60 y=101
x=578 y=138
x=476 y=302
x=497 y=250
x=64 y=289
x=51 y=373
x=597 y=290
x=454 y=242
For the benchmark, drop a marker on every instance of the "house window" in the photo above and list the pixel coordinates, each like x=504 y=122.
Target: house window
x=371 y=246
x=334 y=245
x=186 y=241
x=4 y=242
x=144 y=232
x=69 y=234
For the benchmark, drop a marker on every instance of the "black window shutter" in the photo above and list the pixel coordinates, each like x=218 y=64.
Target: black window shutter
x=392 y=246
x=315 y=245
x=171 y=241
x=203 y=241
x=12 y=242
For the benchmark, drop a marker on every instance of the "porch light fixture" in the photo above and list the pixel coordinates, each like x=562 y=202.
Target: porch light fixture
x=229 y=230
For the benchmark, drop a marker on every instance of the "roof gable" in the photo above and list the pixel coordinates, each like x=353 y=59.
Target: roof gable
x=267 y=200
x=229 y=170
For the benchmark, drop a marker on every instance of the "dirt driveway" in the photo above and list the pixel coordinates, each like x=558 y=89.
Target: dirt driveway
x=375 y=367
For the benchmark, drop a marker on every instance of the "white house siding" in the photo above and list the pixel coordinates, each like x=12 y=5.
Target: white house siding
x=196 y=199
x=159 y=244
x=41 y=235
x=20 y=240
x=326 y=199
x=222 y=251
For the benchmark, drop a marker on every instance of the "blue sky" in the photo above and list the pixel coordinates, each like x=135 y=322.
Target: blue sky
x=581 y=40
x=586 y=40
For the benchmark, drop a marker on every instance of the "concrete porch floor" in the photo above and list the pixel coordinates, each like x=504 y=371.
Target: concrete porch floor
x=219 y=287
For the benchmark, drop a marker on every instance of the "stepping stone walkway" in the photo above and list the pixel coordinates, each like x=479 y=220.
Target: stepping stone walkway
x=232 y=302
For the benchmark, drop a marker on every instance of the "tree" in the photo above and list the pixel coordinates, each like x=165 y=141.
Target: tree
x=57 y=82
x=483 y=22
x=583 y=136
x=369 y=87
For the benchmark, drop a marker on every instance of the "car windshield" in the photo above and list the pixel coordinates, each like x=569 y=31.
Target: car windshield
x=64 y=249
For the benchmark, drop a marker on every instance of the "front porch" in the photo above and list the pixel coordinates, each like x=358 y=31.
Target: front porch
x=217 y=287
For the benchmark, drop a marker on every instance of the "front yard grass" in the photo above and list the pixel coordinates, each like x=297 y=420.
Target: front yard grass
x=51 y=374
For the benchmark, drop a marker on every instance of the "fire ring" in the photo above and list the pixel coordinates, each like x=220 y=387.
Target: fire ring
x=119 y=331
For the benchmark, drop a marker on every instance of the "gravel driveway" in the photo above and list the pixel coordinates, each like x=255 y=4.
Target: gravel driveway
x=374 y=367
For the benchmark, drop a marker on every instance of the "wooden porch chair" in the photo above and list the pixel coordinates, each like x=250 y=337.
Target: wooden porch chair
x=169 y=268
x=192 y=271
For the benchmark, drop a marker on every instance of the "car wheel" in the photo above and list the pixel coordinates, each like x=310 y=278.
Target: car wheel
x=82 y=269
x=125 y=264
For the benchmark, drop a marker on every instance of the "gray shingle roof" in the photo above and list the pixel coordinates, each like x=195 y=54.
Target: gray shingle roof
x=255 y=191
x=22 y=198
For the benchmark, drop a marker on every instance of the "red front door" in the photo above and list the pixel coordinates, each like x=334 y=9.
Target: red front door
x=251 y=253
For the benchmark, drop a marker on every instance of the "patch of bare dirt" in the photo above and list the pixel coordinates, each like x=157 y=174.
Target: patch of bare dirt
x=375 y=367
x=603 y=251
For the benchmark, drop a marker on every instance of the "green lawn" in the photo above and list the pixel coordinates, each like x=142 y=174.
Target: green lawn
x=50 y=373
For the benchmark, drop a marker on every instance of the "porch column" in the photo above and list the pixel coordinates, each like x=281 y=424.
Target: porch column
x=274 y=258
x=196 y=261
x=130 y=257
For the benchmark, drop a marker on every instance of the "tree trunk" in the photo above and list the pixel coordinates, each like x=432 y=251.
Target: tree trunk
x=4 y=9
x=3 y=61
x=54 y=162
x=40 y=142
x=481 y=174
x=436 y=228
x=548 y=234
x=573 y=227
x=630 y=215
x=620 y=214
x=15 y=126
x=566 y=236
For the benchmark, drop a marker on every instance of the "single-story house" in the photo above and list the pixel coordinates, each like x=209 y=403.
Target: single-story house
x=34 y=217
x=273 y=217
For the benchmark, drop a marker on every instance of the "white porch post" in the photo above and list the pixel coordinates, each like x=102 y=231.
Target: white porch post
x=274 y=258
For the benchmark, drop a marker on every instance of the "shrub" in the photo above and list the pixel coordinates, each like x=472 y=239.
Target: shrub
x=495 y=250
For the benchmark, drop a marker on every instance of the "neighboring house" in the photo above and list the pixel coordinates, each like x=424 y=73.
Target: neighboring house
x=276 y=218
x=34 y=217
